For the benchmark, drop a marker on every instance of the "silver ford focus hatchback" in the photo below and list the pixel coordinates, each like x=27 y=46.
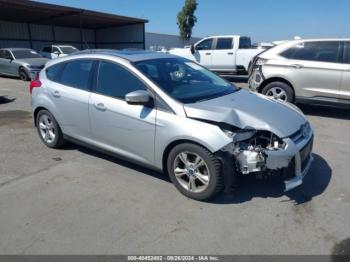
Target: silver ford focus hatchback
x=172 y=115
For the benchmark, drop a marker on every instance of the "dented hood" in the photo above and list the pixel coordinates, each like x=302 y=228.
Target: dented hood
x=247 y=110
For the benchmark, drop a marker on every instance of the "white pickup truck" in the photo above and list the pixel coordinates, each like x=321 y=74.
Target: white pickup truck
x=227 y=54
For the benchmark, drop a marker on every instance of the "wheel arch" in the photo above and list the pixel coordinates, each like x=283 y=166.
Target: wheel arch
x=36 y=111
x=275 y=79
x=170 y=146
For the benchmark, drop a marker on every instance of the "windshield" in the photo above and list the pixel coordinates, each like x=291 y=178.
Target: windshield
x=185 y=81
x=25 y=53
x=68 y=49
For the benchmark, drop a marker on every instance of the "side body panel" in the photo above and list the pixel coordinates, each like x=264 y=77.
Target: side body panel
x=171 y=128
x=72 y=104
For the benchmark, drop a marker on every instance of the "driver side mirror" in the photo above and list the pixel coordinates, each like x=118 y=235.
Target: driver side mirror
x=56 y=53
x=193 y=49
x=139 y=97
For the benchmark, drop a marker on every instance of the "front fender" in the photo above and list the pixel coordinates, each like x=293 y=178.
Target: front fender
x=171 y=128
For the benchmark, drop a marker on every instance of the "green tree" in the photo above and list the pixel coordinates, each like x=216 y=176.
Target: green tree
x=186 y=19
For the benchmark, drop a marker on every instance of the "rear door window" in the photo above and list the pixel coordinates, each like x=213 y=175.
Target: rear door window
x=77 y=74
x=224 y=43
x=314 y=51
x=245 y=42
x=116 y=81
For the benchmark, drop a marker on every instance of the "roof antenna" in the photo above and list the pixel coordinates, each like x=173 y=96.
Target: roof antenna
x=82 y=38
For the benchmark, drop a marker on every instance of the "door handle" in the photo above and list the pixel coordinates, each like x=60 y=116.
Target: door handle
x=297 y=66
x=208 y=53
x=100 y=106
x=230 y=53
x=56 y=93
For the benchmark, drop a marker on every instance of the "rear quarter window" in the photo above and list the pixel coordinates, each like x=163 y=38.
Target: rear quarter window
x=52 y=72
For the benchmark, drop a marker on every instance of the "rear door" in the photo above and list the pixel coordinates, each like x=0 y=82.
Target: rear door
x=117 y=126
x=223 y=55
x=70 y=92
x=345 y=82
x=315 y=68
x=203 y=54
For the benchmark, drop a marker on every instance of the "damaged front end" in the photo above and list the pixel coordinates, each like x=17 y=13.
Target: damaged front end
x=257 y=151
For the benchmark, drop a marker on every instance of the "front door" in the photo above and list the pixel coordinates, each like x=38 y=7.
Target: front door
x=203 y=52
x=117 y=126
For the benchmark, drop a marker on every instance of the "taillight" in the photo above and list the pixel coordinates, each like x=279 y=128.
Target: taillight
x=34 y=83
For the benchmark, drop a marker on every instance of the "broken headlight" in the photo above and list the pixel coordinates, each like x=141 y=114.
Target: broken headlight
x=239 y=135
x=260 y=62
x=265 y=140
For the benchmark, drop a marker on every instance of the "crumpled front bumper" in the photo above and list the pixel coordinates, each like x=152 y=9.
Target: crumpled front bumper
x=293 y=160
x=255 y=79
x=300 y=174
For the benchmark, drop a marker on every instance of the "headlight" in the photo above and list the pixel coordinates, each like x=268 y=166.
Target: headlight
x=260 y=61
x=240 y=135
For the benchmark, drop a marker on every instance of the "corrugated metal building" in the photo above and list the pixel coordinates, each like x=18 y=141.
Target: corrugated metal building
x=32 y=24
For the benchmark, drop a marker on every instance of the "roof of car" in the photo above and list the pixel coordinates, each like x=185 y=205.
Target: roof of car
x=15 y=48
x=131 y=55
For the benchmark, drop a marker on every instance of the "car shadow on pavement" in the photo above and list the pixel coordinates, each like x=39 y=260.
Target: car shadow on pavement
x=249 y=187
x=322 y=111
x=6 y=100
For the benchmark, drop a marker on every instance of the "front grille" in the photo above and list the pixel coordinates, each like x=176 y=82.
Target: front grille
x=305 y=153
x=299 y=135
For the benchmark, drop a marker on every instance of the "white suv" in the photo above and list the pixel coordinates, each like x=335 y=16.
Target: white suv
x=307 y=71
x=54 y=51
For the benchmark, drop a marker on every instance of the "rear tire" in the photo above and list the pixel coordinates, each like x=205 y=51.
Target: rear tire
x=48 y=129
x=23 y=74
x=279 y=91
x=201 y=177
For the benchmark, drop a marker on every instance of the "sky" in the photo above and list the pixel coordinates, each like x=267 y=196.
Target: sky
x=263 y=20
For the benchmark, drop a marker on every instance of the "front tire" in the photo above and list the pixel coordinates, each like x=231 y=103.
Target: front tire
x=195 y=171
x=23 y=74
x=279 y=91
x=48 y=129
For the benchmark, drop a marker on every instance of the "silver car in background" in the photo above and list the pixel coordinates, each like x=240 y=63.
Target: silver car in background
x=21 y=62
x=172 y=115
x=313 y=71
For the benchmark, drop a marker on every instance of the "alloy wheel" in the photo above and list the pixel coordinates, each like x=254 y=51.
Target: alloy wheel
x=191 y=172
x=277 y=93
x=47 y=128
